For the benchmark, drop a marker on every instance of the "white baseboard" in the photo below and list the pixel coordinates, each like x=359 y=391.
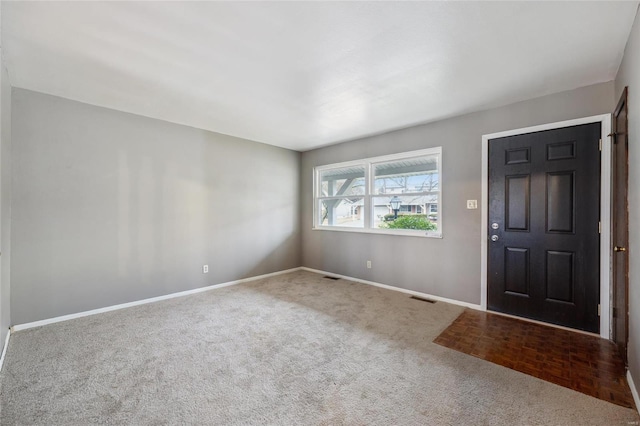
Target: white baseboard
x=634 y=391
x=144 y=301
x=54 y=320
x=401 y=290
x=444 y=299
x=4 y=349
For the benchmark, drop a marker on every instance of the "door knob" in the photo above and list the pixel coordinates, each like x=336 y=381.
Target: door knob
x=616 y=248
x=494 y=238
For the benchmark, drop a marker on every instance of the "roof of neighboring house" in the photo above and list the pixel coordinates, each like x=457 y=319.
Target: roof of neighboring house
x=414 y=201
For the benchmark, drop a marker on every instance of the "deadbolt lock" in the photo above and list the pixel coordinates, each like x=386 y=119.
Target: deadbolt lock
x=616 y=248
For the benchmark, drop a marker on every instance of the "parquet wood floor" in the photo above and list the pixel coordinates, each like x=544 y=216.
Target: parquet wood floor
x=584 y=363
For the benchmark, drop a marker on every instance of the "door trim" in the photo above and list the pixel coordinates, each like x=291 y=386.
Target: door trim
x=605 y=209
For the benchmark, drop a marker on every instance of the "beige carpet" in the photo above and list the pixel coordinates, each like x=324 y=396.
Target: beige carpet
x=292 y=349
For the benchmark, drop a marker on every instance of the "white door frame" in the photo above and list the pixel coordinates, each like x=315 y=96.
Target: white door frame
x=605 y=209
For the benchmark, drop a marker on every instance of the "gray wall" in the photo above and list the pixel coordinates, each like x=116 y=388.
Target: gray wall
x=5 y=201
x=110 y=207
x=629 y=75
x=447 y=267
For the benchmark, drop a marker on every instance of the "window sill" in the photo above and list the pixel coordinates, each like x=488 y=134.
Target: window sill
x=404 y=233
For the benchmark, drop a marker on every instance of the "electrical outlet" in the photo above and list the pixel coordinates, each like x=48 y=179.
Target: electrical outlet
x=368 y=264
x=472 y=204
x=205 y=269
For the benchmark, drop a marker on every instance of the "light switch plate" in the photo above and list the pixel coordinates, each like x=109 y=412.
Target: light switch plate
x=472 y=204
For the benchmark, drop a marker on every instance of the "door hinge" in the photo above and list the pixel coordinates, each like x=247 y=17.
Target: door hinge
x=598 y=309
x=599 y=227
x=614 y=312
x=600 y=145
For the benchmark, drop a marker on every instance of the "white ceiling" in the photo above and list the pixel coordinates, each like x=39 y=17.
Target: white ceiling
x=303 y=75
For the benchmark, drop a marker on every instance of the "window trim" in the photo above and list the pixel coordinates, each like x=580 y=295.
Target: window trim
x=368 y=212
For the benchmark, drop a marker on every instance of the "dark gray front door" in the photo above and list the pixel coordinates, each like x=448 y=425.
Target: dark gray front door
x=544 y=213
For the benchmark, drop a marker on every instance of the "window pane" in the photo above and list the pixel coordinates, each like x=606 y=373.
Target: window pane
x=342 y=212
x=409 y=175
x=344 y=181
x=384 y=216
x=397 y=193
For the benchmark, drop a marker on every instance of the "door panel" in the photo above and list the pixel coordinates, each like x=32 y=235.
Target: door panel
x=620 y=231
x=561 y=151
x=559 y=276
x=517 y=195
x=544 y=258
x=560 y=202
x=516 y=270
x=517 y=156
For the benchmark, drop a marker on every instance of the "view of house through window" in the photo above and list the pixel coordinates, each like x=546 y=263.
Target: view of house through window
x=392 y=194
x=342 y=191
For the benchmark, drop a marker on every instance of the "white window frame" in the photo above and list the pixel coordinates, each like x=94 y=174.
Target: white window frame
x=368 y=210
